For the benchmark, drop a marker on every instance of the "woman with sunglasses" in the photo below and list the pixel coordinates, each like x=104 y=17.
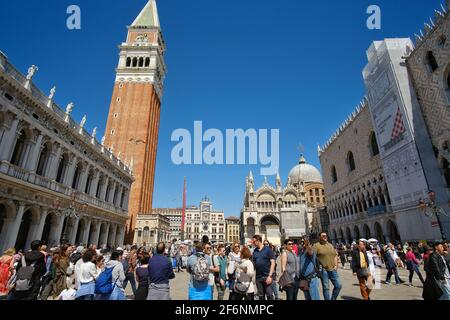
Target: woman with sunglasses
x=234 y=258
x=290 y=264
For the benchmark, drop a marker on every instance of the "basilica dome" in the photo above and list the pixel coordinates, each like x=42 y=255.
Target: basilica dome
x=305 y=172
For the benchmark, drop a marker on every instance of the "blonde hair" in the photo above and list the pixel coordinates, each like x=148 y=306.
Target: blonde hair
x=10 y=252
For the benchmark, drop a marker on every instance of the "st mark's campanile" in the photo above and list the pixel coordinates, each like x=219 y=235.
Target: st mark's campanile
x=134 y=115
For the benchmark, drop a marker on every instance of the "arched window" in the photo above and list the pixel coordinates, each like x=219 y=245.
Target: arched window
x=333 y=174
x=350 y=162
x=135 y=62
x=373 y=144
x=43 y=159
x=141 y=62
x=62 y=168
x=128 y=62
x=431 y=61
x=147 y=62
x=19 y=149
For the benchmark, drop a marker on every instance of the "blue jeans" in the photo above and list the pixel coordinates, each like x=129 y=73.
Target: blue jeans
x=313 y=293
x=445 y=287
x=332 y=276
x=129 y=277
x=396 y=276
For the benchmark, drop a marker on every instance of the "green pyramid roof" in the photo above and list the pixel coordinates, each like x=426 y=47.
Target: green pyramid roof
x=148 y=16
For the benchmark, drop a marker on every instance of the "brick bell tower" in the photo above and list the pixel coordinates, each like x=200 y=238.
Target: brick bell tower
x=134 y=114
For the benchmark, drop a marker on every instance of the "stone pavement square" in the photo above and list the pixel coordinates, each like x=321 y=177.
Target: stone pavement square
x=350 y=288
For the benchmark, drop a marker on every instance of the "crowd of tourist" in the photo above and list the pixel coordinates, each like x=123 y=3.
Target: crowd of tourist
x=246 y=272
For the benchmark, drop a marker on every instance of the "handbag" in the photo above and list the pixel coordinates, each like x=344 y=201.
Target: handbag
x=305 y=280
x=286 y=280
x=362 y=273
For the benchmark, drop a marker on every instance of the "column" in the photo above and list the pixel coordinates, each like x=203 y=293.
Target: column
x=83 y=179
x=8 y=141
x=68 y=177
x=86 y=231
x=73 y=233
x=104 y=237
x=119 y=196
x=96 y=233
x=127 y=198
x=111 y=193
x=34 y=154
x=121 y=236
x=56 y=232
x=35 y=224
x=24 y=161
x=14 y=227
x=94 y=184
x=104 y=187
x=112 y=239
x=54 y=163
x=40 y=229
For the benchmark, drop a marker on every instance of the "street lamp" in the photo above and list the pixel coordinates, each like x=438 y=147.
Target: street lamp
x=430 y=208
x=70 y=212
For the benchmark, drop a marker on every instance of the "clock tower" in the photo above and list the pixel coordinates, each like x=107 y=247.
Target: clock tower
x=134 y=115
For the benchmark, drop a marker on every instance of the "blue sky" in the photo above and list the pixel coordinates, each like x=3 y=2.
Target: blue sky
x=287 y=64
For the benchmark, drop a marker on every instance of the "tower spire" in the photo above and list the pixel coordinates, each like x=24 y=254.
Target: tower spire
x=148 y=17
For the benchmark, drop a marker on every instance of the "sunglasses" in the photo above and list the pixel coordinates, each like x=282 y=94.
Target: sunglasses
x=290 y=244
x=208 y=248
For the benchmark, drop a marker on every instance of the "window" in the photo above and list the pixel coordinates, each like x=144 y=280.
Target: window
x=373 y=144
x=89 y=183
x=43 y=159
x=350 y=162
x=333 y=174
x=442 y=40
x=431 y=61
x=62 y=168
x=76 y=177
x=19 y=149
x=128 y=62
x=113 y=131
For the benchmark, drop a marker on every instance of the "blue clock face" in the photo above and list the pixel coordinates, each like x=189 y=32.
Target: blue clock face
x=207 y=208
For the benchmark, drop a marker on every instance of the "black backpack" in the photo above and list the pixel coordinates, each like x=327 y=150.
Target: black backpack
x=24 y=276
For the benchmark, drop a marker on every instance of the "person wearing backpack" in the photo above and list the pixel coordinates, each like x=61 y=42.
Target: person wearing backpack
x=30 y=271
x=160 y=272
x=109 y=284
x=86 y=276
x=200 y=267
x=243 y=288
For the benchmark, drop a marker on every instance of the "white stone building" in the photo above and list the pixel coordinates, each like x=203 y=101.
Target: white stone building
x=151 y=229
x=278 y=213
x=204 y=221
x=57 y=183
x=380 y=162
x=174 y=216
